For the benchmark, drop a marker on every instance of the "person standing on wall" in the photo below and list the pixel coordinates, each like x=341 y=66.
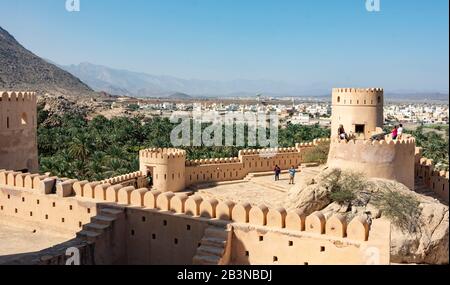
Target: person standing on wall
x=292 y=173
x=395 y=133
x=277 y=172
x=400 y=132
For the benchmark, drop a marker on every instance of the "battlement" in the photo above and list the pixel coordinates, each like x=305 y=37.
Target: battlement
x=162 y=153
x=88 y=208
x=268 y=151
x=387 y=159
x=12 y=96
x=194 y=206
x=405 y=141
x=210 y=161
x=437 y=181
x=122 y=178
x=358 y=90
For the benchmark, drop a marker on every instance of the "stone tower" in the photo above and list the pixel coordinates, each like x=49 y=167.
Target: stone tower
x=360 y=111
x=166 y=167
x=18 y=125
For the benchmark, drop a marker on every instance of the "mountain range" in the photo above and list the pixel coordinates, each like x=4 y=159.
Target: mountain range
x=124 y=82
x=20 y=69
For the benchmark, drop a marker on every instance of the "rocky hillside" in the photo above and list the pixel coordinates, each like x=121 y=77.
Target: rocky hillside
x=419 y=223
x=20 y=69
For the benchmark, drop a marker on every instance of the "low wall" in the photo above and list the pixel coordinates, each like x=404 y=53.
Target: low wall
x=136 y=179
x=65 y=215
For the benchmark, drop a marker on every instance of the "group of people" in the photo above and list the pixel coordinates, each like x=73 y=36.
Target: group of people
x=292 y=172
x=397 y=132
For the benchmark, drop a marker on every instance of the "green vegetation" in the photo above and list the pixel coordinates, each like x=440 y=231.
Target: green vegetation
x=435 y=146
x=318 y=154
x=403 y=210
x=297 y=134
x=133 y=107
x=345 y=186
x=72 y=146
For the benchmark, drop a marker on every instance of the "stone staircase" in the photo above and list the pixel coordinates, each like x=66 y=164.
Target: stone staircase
x=100 y=223
x=213 y=247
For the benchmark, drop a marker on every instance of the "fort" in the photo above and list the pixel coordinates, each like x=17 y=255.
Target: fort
x=127 y=220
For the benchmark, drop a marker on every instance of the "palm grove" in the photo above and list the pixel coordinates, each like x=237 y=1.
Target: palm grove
x=72 y=146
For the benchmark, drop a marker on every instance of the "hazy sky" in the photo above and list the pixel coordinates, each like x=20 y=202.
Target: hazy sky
x=308 y=42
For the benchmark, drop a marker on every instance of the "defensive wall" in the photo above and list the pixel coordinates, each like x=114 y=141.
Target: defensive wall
x=172 y=172
x=115 y=224
x=435 y=180
x=388 y=159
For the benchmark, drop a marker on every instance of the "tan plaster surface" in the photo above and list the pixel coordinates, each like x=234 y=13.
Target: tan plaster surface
x=15 y=241
x=260 y=190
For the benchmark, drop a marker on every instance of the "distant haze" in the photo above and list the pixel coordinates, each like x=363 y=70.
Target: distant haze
x=124 y=82
x=129 y=83
x=254 y=46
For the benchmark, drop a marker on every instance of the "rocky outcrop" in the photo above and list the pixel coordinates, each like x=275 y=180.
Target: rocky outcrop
x=420 y=237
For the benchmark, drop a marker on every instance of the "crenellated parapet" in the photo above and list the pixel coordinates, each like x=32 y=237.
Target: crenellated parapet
x=408 y=141
x=388 y=159
x=358 y=90
x=93 y=208
x=12 y=96
x=211 y=161
x=136 y=178
x=198 y=207
x=435 y=180
x=162 y=154
x=44 y=200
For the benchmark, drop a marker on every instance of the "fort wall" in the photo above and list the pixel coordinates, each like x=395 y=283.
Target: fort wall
x=169 y=166
x=437 y=181
x=170 y=228
x=18 y=125
x=390 y=159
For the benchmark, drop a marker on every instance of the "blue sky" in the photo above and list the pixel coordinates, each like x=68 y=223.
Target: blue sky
x=405 y=46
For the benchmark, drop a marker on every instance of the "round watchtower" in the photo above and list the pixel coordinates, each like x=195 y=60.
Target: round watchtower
x=360 y=111
x=166 y=166
x=18 y=124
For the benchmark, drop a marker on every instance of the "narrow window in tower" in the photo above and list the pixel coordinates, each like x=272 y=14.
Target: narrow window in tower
x=7 y=122
x=339 y=99
x=23 y=119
